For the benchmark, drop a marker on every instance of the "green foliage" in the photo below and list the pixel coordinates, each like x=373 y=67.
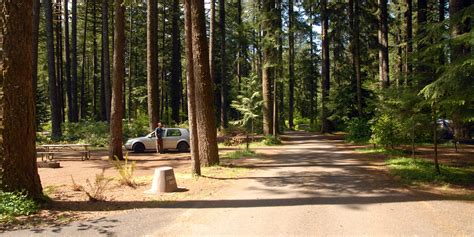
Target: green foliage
x=270 y=140
x=136 y=127
x=381 y=150
x=421 y=171
x=96 y=191
x=386 y=132
x=15 y=204
x=358 y=130
x=125 y=170
x=95 y=133
x=239 y=154
x=249 y=106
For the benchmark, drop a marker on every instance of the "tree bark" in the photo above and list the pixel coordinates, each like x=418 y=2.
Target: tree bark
x=152 y=63
x=196 y=166
x=20 y=172
x=36 y=23
x=325 y=124
x=313 y=89
x=105 y=66
x=130 y=63
x=240 y=46
x=408 y=40
x=176 y=69
x=95 y=61
x=291 y=64
x=269 y=28
x=74 y=106
x=59 y=56
x=206 y=122
x=355 y=41
x=53 y=96
x=83 y=103
x=68 y=59
x=383 y=44
x=116 y=112
x=224 y=84
x=212 y=38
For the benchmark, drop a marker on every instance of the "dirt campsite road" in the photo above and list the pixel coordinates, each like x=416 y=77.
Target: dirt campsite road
x=311 y=186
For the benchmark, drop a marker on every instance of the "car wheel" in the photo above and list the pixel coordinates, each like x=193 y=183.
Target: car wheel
x=138 y=147
x=183 y=147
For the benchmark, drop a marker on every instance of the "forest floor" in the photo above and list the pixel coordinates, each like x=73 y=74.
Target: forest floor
x=307 y=170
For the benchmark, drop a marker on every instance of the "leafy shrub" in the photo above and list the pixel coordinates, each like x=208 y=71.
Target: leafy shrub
x=358 y=130
x=386 y=132
x=270 y=140
x=15 y=204
x=125 y=170
x=96 y=191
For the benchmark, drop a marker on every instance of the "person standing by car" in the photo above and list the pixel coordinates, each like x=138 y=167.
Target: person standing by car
x=159 y=138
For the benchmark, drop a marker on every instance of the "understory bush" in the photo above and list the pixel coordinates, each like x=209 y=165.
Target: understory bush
x=270 y=140
x=95 y=133
x=358 y=130
x=125 y=170
x=15 y=204
x=386 y=132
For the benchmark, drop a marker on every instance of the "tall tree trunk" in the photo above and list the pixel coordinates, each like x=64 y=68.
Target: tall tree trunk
x=163 y=71
x=116 y=112
x=105 y=66
x=240 y=46
x=53 y=96
x=95 y=61
x=176 y=70
x=355 y=41
x=291 y=63
x=35 y=33
x=206 y=121
x=313 y=88
x=408 y=40
x=83 y=103
x=224 y=90
x=130 y=63
x=68 y=59
x=212 y=39
x=196 y=166
x=59 y=61
x=74 y=106
x=325 y=125
x=152 y=63
x=18 y=137
x=383 y=44
x=269 y=28
x=278 y=69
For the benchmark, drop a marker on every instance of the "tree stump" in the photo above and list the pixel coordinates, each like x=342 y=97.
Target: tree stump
x=163 y=181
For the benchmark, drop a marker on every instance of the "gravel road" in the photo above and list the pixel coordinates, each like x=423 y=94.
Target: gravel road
x=311 y=186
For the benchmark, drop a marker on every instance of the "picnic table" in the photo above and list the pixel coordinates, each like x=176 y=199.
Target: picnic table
x=51 y=149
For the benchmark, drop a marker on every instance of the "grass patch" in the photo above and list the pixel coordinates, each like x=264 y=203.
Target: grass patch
x=14 y=204
x=223 y=172
x=421 y=171
x=392 y=152
x=239 y=154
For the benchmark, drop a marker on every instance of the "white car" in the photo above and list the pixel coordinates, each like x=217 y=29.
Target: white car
x=174 y=138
